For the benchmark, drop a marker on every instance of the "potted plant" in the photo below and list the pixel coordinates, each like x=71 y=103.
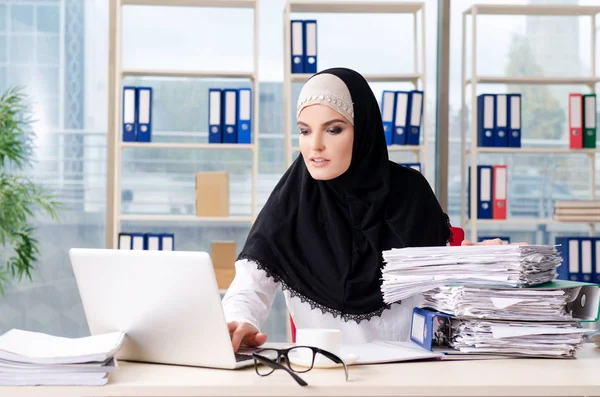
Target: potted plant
x=21 y=199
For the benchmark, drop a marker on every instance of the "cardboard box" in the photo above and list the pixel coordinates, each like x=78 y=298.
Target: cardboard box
x=223 y=254
x=212 y=194
x=224 y=277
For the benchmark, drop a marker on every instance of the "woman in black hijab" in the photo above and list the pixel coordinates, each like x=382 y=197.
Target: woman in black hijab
x=323 y=229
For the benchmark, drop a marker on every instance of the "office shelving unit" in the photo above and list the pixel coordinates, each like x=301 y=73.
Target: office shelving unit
x=115 y=144
x=356 y=7
x=474 y=150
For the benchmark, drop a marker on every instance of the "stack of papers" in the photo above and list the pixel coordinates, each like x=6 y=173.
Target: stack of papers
x=521 y=304
x=414 y=270
x=32 y=359
x=539 y=339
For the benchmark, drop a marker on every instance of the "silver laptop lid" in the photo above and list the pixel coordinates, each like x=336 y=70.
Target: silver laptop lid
x=167 y=302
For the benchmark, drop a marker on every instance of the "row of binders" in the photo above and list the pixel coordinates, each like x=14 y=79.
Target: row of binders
x=499 y=120
x=582 y=121
x=304 y=46
x=581 y=258
x=492 y=186
x=577 y=211
x=402 y=115
x=230 y=115
x=147 y=241
x=137 y=114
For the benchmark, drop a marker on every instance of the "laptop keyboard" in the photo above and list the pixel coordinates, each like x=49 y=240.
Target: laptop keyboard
x=242 y=357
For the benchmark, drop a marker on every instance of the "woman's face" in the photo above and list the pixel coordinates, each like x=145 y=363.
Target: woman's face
x=326 y=139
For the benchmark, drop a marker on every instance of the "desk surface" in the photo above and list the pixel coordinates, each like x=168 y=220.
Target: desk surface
x=505 y=377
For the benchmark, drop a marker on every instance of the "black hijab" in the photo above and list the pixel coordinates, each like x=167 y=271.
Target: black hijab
x=323 y=240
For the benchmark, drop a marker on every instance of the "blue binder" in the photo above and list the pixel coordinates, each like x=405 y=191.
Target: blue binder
x=215 y=132
x=586 y=258
x=138 y=241
x=144 y=123
x=426 y=326
x=229 y=114
x=414 y=166
x=414 y=117
x=514 y=120
x=388 y=99
x=167 y=242
x=501 y=125
x=244 y=115
x=400 y=118
x=310 y=46
x=484 y=191
x=129 y=114
x=569 y=248
x=152 y=242
x=486 y=119
x=297 y=45
x=125 y=241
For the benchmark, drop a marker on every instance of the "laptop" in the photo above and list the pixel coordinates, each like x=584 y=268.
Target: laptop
x=167 y=303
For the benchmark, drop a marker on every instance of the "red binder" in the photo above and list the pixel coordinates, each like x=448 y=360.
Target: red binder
x=499 y=191
x=576 y=121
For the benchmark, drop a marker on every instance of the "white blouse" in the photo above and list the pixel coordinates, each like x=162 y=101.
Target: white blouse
x=251 y=293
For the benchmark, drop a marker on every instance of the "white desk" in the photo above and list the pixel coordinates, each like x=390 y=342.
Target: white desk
x=510 y=377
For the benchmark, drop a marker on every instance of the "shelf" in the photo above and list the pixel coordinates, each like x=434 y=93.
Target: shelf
x=354 y=7
x=404 y=148
x=392 y=148
x=170 y=145
x=533 y=80
x=185 y=218
x=526 y=9
x=372 y=78
x=531 y=150
x=186 y=74
x=193 y=3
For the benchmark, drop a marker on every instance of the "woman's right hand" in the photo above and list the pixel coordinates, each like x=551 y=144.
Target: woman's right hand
x=245 y=334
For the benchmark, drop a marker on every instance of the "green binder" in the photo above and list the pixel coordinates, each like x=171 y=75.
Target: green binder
x=589 y=121
x=585 y=303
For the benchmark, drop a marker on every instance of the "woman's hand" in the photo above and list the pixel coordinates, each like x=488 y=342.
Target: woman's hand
x=495 y=241
x=245 y=334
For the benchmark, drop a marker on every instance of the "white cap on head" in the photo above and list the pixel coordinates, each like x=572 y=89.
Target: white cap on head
x=327 y=89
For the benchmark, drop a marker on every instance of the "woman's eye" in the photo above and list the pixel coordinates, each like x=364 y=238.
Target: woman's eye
x=334 y=130
x=303 y=131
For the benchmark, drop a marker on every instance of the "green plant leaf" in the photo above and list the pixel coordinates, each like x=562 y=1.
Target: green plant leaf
x=21 y=199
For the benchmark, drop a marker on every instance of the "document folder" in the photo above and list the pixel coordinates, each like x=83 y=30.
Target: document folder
x=144 y=124
x=129 y=114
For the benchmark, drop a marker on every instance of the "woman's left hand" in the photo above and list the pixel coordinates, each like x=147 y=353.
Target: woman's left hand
x=495 y=241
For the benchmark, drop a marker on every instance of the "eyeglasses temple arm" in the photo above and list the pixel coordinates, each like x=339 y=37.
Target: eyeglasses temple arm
x=335 y=359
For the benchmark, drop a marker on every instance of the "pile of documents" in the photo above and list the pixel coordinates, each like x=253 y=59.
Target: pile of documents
x=33 y=359
x=577 y=211
x=540 y=321
x=539 y=339
x=523 y=304
x=414 y=270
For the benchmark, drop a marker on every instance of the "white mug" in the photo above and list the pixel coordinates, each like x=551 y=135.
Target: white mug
x=326 y=339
